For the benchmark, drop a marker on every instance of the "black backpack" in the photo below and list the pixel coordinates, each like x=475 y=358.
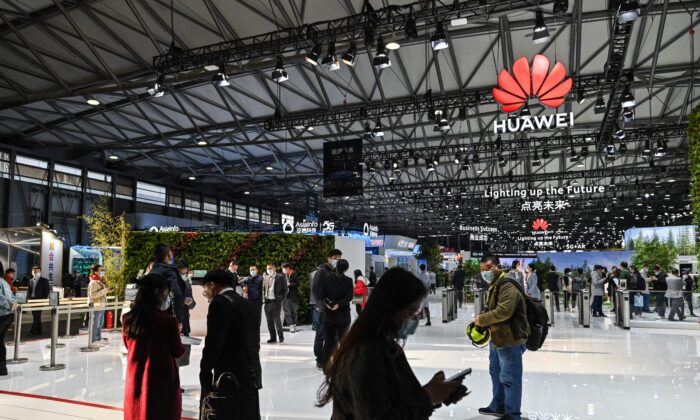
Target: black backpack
x=536 y=314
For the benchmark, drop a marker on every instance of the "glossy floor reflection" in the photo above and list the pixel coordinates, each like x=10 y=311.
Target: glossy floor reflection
x=599 y=373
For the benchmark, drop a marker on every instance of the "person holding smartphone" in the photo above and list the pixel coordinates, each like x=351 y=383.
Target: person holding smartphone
x=369 y=376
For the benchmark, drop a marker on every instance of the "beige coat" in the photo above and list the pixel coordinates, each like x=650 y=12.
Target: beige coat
x=97 y=293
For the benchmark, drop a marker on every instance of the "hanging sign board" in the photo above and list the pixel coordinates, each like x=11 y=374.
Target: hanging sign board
x=342 y=174
x=51 y=258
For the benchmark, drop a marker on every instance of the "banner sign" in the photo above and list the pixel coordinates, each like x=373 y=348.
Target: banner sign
x=164 y=229
x=533 y=194
x=342 y=174
x=308 y=227
x=51 y=258
x=370 y=230
x=478 y=229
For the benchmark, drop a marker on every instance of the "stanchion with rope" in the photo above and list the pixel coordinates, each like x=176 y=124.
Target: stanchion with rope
x=54 y=337
x=16 y=360
x=70 y=314
x=90 y=347
x=55 y=343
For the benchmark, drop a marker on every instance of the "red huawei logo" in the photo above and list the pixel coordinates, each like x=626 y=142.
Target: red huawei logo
x=550 y=89
x=540 y=224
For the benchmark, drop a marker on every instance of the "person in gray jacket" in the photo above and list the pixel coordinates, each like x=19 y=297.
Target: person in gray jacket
x=516 y=274
x=675 y=294
x=597 y=291
x=532 y=290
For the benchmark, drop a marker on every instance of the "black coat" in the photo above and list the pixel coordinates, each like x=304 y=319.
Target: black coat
x=254 y=285
x=293 y=285
x=372 y=279
x=338 y=289
x=553 y=281
x=178 y=287
x=42 y=289
x=660 y=283
x=228 y=326
x=458 y=279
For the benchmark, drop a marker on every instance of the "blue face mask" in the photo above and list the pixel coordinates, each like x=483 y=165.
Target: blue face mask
x=487 y=276
x=408 y=327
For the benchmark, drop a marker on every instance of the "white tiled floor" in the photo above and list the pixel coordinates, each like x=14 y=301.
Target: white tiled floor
x=599 y=373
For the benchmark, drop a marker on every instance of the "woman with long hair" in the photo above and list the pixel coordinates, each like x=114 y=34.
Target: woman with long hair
x=151 y=335
x=369 y=377
x=360 y=291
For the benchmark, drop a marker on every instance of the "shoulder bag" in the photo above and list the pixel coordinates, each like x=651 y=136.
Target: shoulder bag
x=229 y=399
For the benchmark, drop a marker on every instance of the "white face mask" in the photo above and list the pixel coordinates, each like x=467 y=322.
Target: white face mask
x=101 y=274
x=37 y=275
x=285 y=271
x=334 y=263
x=270 y=271
x=253 y=273
x=487 y=276
x=165 y=304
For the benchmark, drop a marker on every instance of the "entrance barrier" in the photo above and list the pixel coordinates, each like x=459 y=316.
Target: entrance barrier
x=449 y=305
x=549 y=306
x=91 y=347
x=622 y=309
x=584 y=308
x=479 y=302
x=54 y=343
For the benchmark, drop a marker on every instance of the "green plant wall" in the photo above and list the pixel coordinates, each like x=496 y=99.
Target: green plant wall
x=694 y=163
x=208 y=251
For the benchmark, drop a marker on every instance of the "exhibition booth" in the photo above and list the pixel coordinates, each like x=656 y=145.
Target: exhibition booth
x=23 y=247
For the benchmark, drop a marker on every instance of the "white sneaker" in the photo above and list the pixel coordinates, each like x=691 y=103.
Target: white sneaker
x=293 y=328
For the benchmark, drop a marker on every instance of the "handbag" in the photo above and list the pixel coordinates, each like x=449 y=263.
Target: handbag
x=358 y=299
x=638 y=301
x=229 y=399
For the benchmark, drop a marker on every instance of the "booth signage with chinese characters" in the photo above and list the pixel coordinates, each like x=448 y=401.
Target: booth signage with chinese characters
x=537 y=199
x=51 y=257
x=534 y=82
x=308 y=227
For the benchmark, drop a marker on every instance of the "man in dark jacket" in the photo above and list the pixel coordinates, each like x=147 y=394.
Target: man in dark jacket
x=38 y=289
x=254 y=290
x=325 y=273
x=184 y=270
x=689 y=287
x=233 y=339
x=291 y=302
x=553 y=284
x=163 y=265
x=274 y=292
x=335 y=293
x=660 y=287
x=458 y=283
x=506 y=318
x=372 y=277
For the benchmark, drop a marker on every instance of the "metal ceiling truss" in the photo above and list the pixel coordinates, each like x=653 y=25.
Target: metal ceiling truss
x=361 y=26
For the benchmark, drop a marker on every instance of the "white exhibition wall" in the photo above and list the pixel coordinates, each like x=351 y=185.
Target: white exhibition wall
x=353 y=251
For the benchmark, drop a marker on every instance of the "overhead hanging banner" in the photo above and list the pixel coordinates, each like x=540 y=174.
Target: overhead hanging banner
x=342 y=173
x=538 y=199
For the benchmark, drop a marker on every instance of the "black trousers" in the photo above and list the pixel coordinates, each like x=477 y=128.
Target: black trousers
x=5 y=322
x=567 y=297
x=556 y=299
x=36 y=322
x=258 y=307
x=689 y=299
x=334 y=332
x=273 y=313
x=574 y=295
x=460 y=296
x=320 y=338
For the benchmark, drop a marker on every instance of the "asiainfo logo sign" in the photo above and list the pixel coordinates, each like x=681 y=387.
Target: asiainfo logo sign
x=532 y=82
x=540 y=224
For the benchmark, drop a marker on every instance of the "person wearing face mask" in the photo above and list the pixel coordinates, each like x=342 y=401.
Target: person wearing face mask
x=507 y=321
x=369 y=376
x=274 y=292
x=253 y=286
x=152 y=337
x=38 y=289
x=97 y=295
x=291 y=302
x=232 y=344
x=425 y=279
x=163 y=265
x=531 y=281
x=8 y=306
x=597 y=291
x=186 y=275
x=324 y=274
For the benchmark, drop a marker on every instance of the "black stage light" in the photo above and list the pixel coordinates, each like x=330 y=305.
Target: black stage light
x=377 y=130
x=350 y=56
x=536 y=160
x=629 y=11
x=410 y=28
x=540 y=34
x=330 y=61
x=627 y=100
x=156 y=88
x=439 y=40
x=600 y=107
x=381 y=60
x=313 y=55
x=279 y=74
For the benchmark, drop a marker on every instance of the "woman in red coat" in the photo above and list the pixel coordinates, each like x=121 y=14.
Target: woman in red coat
x=152 y=338
x=360 y=290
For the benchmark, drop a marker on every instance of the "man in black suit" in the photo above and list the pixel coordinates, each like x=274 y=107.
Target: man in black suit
x=233 y=339
x=458 y=283
x=38 y=289
x=233 y=272
x=372 y=277
x=274 y=291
